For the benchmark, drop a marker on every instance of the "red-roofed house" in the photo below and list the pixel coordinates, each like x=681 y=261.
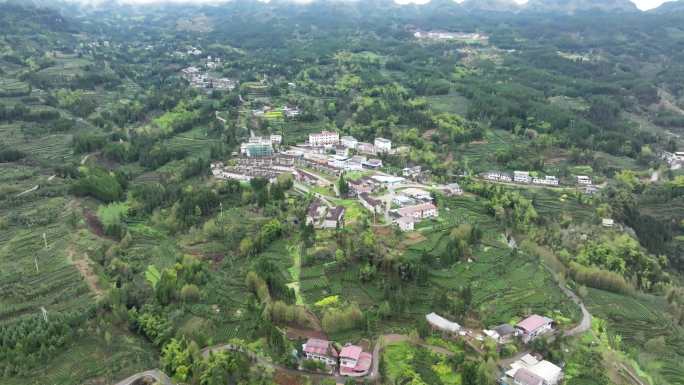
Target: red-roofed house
x=354 y=362
x=526 y=377
x=320 y=350
x=534 y=326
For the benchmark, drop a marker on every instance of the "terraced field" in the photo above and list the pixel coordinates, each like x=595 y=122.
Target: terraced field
x=638 y=321
x=13 y=87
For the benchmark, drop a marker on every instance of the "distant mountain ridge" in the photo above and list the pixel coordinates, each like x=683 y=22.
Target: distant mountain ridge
x=492 y=5
x=669 y=7
x=572 y=6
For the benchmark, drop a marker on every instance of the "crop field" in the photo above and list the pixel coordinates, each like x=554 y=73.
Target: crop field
x=12 y=87
x=452 y=103
x=638 y=321
x=504 y=283
x=93 y=360
x=479 y=156
x=552 y=203
x=406 y=363
x=65 y=69
x=194 y=142
x=295 y=131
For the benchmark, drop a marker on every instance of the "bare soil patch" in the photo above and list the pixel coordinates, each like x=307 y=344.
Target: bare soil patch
x=83 y=265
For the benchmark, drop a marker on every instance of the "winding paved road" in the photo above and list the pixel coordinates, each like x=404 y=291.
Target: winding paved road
x=156 y=374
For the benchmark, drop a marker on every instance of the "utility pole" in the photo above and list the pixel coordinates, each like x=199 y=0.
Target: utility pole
x=45 y=240
x=35 y=260
x=45 y=314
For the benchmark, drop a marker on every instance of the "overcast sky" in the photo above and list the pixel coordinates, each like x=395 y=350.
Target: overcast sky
x=642 y=4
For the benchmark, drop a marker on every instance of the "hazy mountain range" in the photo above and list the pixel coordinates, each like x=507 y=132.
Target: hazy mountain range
x=537 y=6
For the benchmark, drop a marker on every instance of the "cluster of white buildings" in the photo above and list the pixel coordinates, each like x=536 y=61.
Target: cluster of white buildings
x=444 y=35
x=332 y=139
x=414 y=205
x=287 y=111
x=340 y=161
x=259 y=147
x=201 y=79
x=524 y=177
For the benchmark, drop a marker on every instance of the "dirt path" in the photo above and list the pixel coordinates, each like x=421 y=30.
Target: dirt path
x=87 y=272
x=32 y=189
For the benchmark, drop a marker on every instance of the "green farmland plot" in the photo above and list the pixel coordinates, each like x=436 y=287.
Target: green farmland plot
x=645 y=330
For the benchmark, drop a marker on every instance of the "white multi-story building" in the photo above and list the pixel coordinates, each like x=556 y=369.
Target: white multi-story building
x=349 y=142
x=383 y=145
x=405 y=223
x=320 y=350
x=324 y=138
x=421 y=211
x=522 y=176
x=548 y=180
x=276 y=139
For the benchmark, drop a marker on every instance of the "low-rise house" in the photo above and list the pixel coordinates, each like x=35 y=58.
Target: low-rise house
x=607 y=222
x=276 y=139
x=365 y=148
x=530 y=371
x=338 y=161
x=418 y=194
x=320 y=350
x=349 y=142
x=316 y=212
x=411 y=172
x=373 y=205
x=522 y=177
x=351 y=165
x=354 y=362
x=291 y=112
x=583 y=180
x=506 y=333
x=418 y=212
x=442 y=324
x=680 y=155
x=533 y=327
x=324 y=138
x=360 y=186
x=405 y=223
x=388 y=179
x=506 y=178
x=383 y=145
x=403 y=200
x=525 y=377
x=334 y=219
x=453 y=189
x=372 y=164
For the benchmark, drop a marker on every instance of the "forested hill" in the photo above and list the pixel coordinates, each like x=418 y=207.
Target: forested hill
x=158 y=200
